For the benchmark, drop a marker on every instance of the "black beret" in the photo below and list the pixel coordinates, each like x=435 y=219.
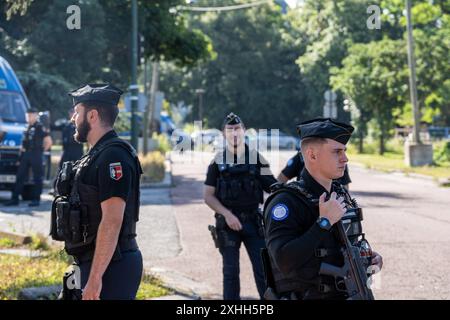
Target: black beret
x=32 y=110
x=231 y=119
x=102 y=92
x=325 y=128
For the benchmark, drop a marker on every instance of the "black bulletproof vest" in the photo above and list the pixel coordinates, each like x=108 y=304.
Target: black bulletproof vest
x=86 y=198
x=32 y=141
x=328 y=251
x=238 y=185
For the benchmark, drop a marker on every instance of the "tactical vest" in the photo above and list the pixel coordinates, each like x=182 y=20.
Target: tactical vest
x=76 y=211
x=238 y=185
x=30 y=141
x=307 y=278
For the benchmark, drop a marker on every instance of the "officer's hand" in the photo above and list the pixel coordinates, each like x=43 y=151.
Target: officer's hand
x=233 y=222
x=92 y=289
x=333 y=209
x=377 y=261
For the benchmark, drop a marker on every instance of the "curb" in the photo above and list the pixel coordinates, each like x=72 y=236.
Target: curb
x=182 y=286
x=19 y=238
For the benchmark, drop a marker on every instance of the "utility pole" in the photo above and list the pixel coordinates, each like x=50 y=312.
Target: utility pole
x=417 y=153
x=412 y=75
x=134 y=89
x=200 y=93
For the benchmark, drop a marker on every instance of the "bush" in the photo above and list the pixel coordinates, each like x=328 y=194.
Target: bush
x=163 y=142
x=7 y=243
x=39 y=242
x=153 y=166
x=442 y=152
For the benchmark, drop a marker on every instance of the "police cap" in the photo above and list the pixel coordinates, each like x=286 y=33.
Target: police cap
x=102 y=92
x=325 y=128
x=32 y=110
x=231 y=119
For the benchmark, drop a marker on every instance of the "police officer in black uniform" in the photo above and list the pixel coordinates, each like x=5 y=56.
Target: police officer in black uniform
x=97 y=203
x=295 y=165
x=300 y=217
x=72 y=150
x=234 y=187
x=35 y=141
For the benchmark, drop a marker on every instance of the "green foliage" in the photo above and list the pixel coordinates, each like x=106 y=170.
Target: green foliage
x=7 y=243
x=163 y=142
x=253 y=75
x=151 y=287
x=51 y=59
x=441 y=152
x=39 y=242
x=17 y=273
x=153 y=166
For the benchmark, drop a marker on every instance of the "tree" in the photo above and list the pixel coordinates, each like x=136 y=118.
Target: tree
x=374 y=75
x=253 y=75
x=38 y=44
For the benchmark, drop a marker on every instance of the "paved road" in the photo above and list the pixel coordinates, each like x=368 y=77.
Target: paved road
x=407 y=220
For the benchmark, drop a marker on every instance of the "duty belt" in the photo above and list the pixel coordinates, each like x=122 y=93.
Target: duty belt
x=122 y=246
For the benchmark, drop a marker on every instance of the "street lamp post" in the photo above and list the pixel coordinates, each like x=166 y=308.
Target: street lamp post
x=200 y=93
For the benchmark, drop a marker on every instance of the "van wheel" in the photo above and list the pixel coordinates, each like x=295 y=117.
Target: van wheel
x=27 y=193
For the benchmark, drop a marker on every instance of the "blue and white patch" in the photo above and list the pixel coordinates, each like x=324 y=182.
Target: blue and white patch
x=290 y=162
x=279 y=212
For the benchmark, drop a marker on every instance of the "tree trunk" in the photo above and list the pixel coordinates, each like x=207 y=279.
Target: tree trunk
x=361 y=141
x=381 y=147
x=148 y=115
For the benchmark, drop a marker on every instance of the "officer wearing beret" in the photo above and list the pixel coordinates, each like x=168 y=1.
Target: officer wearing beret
x=300 y=217
x=234 y=187
x=295 y=165
x=36 y=140
x=97 y=203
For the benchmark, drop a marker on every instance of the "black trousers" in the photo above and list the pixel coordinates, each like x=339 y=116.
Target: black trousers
x=35 y=161
x=121 y=279
x=231 y=243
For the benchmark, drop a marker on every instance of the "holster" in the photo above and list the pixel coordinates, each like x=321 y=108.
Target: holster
x=213 y=231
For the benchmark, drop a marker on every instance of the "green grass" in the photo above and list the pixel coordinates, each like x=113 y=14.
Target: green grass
x=6 y=243
x=391 y=161
x=151 y=287
x=17 y=273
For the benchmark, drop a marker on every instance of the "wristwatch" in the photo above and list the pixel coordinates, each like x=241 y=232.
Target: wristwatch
x=324 y=223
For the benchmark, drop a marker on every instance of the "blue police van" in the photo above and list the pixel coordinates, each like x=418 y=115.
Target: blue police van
x=13 y=107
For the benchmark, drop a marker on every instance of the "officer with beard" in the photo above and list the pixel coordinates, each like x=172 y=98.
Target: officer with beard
x=97 y=203
x=72 y=150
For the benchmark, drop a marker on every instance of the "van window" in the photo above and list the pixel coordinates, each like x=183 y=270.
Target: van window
x=12 y=107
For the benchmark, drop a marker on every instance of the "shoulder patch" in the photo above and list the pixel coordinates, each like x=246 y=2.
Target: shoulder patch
x=280 y=212
x=115 y=171
x=290 y=162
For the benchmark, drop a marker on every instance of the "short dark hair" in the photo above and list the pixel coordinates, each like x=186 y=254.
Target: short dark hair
x=106 y=112
x=306 y=142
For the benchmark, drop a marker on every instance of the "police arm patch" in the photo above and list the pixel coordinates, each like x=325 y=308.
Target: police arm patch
x=280 y=212
x=115 y=171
